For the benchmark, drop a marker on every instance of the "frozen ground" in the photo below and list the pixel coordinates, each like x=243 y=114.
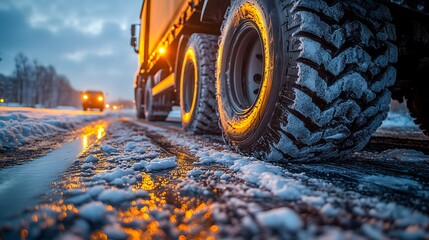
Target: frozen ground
x=129 y=179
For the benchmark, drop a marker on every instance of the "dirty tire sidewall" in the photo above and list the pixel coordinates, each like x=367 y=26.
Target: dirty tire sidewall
x=198 y=104
x=244 y=129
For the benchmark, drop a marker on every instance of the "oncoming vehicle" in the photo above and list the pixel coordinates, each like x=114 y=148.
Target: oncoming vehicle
x=285 y=79
x=93 y=99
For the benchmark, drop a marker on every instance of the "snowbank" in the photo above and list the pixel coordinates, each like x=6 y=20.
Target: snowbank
x=398 y=120
x=20 y=126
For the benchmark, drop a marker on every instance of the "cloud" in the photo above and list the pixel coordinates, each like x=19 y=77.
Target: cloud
x=79 y=56
x=86 y=40
x=86 y=16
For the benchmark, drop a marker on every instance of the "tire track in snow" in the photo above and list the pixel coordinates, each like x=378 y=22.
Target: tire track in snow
x=343 y=203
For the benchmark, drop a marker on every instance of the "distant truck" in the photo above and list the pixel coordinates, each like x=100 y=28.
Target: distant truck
x=285 y=79
x=92 y=99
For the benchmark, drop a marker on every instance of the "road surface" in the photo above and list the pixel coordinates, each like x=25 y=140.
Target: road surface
x=117 y=177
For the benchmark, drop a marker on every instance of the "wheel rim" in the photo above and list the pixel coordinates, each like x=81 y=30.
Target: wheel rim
x=189 y=86
x=246 y=66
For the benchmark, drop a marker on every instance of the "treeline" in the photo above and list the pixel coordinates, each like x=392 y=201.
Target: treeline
x=35 y=85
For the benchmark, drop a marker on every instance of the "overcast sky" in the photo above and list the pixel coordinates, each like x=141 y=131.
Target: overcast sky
x=86 y=40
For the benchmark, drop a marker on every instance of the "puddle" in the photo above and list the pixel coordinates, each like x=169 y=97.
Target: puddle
x=21 y=185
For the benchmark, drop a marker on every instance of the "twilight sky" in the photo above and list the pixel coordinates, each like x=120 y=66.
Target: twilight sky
x=86 y=40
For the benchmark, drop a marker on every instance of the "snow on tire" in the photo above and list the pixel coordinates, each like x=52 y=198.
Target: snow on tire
x=198 y=86
x=324 y=78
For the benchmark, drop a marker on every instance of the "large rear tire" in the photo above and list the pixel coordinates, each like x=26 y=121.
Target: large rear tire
x=198 y=85
x=319 y=89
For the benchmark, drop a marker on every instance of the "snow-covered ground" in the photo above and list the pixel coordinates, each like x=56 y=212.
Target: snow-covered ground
x=142 y=181
x=20 y=126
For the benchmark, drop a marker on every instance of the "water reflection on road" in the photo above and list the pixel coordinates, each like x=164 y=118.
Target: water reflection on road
x=21 y=185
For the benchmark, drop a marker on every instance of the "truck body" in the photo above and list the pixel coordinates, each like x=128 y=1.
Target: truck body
x=166 y=26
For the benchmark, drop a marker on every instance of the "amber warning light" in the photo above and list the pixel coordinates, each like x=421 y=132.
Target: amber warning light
x=100 y=98
x=162 y=51
x=85 y=97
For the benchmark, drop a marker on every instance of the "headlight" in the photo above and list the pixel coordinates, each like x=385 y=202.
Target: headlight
x=100 y=98
x=85 y=97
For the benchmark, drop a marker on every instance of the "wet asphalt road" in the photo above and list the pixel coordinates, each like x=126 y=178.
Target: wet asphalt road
x=340 y=198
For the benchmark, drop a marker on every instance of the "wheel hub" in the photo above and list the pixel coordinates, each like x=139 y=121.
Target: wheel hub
x=246 y=66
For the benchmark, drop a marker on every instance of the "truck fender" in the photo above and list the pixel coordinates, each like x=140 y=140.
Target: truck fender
x=181 y=47
x=213 y=11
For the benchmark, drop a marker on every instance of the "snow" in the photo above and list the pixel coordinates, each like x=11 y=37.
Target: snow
x=329 y=210
x=196 y=172
x=281 y=218
x=115 y=231
x=140 y=165
x=130 y=146
x=108 y=149
x=116 y=196
x=398 y=120
x=78 y=200
x=113 y=174
x=20 y=126
x=91 y=158
x=372 y=232
x=321 y=195
x=313 y=200
x=87 y=165
x=255 y=196
x=93 y=211
x=95 y=191
x=161 y=163
x=396 y=183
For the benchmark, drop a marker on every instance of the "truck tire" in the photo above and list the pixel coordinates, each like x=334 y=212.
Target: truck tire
x=198 y=85
x=139 y=101
x=304 y=79
x=418 y=101
x=152 y=109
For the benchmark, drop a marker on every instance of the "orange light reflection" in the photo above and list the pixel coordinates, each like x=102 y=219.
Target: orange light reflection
x=146 y=218
x=91 y=133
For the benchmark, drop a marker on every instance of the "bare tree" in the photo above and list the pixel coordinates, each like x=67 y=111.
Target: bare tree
x=22 y=75
x=35 y=84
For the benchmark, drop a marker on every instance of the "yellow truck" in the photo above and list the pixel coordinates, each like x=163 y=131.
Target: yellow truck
x=282 y=79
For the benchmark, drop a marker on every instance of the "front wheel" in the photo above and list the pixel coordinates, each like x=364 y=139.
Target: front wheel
x=304 y=79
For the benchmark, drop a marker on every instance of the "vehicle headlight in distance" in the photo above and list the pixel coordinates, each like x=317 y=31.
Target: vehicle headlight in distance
x=100 y=98
x=85 y=97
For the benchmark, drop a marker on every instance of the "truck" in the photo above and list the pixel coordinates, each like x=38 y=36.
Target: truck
x=283 y=80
